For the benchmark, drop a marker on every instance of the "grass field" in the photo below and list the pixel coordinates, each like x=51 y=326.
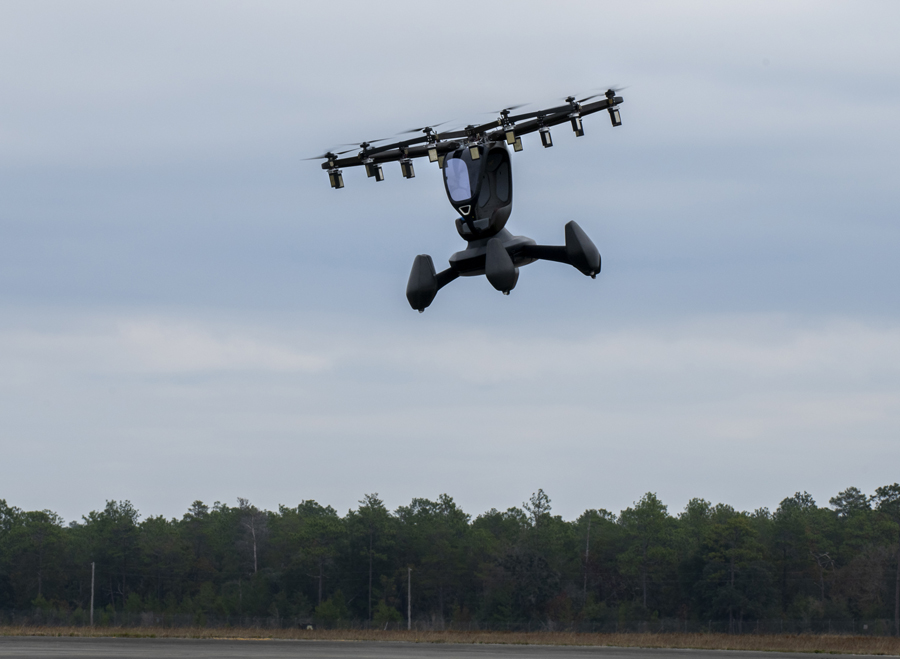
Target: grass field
x=775 y=643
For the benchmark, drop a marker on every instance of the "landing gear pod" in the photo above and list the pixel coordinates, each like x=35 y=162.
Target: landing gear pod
x=423 y=284
x=581 y=251
x=499 y=268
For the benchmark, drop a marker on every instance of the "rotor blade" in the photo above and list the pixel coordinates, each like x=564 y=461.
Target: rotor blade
x=421 y=128
x=358 y=145
x=546 y=113
x=440 y=137
x=452 y=134
x=405 y=143
x=508 y=109
x=614 y=88
x=397 y=145
x=328 y=154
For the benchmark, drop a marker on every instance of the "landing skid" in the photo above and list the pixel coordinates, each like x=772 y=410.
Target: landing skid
x=499 y=259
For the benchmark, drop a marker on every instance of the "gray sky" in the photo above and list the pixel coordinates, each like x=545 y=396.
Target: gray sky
x=188 y=311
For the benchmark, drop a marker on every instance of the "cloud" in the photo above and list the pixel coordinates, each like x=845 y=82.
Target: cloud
x=761 y=346
x=127 y=393
x=167 y=347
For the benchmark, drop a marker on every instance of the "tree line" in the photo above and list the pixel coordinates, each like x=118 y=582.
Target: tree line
x=800 y=562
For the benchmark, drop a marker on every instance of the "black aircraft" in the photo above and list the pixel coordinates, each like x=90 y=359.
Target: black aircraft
x=478 y=181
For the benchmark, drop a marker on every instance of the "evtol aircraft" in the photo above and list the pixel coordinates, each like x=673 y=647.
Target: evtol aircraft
x=477 y=175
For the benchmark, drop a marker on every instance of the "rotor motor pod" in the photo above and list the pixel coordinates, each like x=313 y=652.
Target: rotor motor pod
x=336 y=178
x=575 y=116
x=432 y=144
x=374 y=170
x=509 y=130
x=546 y=139
x=473 y=142
x=614 y=115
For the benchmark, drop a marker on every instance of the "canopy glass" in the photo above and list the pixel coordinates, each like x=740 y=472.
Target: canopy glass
x=457 y=179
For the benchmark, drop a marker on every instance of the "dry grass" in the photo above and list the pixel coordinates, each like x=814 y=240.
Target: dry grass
x=775 y=643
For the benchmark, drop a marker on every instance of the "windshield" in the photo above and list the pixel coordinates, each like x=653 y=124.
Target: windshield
x=457 y=179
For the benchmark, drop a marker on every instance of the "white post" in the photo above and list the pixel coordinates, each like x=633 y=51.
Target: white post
x=587 y=555
x=408 y=599
x=92 y=593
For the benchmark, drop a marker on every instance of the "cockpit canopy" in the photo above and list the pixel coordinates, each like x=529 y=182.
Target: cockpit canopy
x=456 y=173
x=480 y=189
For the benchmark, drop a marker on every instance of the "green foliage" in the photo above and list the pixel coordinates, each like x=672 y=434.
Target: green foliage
x=735 y=582
x=649 y=552
x=332 y=610
x=133 y=603
x=801 y=561
x=594 y=611
x=385 y=614
x=850 y=502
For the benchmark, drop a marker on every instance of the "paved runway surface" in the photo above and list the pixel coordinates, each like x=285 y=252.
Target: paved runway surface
x=158 y=648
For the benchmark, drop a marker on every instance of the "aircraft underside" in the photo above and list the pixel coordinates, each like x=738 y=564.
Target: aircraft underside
x=499 y=259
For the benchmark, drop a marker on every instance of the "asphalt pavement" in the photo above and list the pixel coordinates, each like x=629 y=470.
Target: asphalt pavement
x=36 y=647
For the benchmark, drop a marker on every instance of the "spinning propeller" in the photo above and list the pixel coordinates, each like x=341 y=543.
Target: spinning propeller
x=424 y=129
x=435 y=145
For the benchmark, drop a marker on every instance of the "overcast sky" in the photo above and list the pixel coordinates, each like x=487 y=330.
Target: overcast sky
x=188 y=311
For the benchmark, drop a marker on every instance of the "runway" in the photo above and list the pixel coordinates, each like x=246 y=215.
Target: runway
x=36 y=647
